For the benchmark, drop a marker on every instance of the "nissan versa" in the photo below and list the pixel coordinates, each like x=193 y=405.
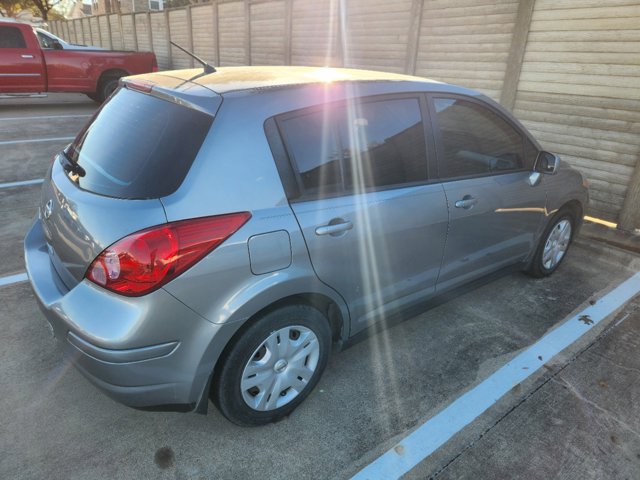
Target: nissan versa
x=212 y=235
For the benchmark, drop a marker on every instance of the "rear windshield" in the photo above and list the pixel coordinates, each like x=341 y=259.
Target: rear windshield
x=138 y=146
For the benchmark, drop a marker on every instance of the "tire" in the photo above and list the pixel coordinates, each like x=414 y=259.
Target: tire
x=258 y=382
x=545 y=261
x=92 y=96
x=106 y=88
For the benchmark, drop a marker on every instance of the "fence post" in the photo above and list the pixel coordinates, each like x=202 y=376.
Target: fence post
x=121 y=31
x=340 y=34
x=99 y=31
x=629 y=218
x=149 y=32
x=288 y=30
x=190 y=30
x=247 y=34
x=413 y=38
x=110 y=32
x=516 y=53
x=134 y=31
x=216 y=31
x=84 y=37
x=169 y=52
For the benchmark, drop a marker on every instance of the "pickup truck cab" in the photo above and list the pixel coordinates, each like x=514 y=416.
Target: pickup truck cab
x=36 y=61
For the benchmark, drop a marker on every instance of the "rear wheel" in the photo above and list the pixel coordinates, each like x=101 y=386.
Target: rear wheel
x=273 y=366
x=106 y=87
x=553 y=246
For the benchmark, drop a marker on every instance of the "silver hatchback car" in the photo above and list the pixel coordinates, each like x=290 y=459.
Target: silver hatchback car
x=214 y=235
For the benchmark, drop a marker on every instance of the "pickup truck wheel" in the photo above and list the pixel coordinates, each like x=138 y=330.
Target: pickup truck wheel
x=106 y=88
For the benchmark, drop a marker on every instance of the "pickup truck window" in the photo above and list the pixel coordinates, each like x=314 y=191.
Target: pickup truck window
x=45 y=42
x=11 y=37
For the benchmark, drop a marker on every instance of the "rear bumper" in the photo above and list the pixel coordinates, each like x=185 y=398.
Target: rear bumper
x=143 y=352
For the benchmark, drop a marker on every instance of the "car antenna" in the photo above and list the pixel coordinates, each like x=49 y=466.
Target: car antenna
x=207 y=68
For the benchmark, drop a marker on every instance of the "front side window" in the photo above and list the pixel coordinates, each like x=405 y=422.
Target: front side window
x=11 y=37
x=45 y=41
x=357 y=146
x=474 y=140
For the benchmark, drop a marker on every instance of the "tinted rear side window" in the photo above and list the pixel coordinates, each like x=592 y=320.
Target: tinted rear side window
x=138 y=146
x=383 y=144
x=11 y=37
x=357 y=146
x=475 y=140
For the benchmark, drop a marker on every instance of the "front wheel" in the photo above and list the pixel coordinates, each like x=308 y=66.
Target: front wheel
x=553 y=246
x=273 y=366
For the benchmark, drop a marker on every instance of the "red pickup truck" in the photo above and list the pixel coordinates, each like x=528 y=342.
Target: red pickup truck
x=35 y=61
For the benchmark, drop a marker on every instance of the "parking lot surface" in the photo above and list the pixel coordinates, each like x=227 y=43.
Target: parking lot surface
x=578 y=416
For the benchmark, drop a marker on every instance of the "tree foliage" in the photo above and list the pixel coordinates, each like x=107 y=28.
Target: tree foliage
x=44 y=7
x=13 y=7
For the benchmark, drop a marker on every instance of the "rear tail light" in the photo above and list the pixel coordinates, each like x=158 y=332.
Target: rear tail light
x=144 y=261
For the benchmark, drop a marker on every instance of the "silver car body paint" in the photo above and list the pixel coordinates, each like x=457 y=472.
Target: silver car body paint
x=161 y=348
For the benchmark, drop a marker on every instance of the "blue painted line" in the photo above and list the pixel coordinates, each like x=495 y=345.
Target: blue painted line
x=436 y=431
x=11 y=279
x=23 y=183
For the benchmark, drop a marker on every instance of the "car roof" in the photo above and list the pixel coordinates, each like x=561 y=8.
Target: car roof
x=233 y=79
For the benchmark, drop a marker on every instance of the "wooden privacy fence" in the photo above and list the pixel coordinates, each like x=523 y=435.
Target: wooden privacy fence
x=568 y=69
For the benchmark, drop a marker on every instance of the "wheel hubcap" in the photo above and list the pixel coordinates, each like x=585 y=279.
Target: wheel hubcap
x=280 y=365
x=556 y=245
x=280 y=368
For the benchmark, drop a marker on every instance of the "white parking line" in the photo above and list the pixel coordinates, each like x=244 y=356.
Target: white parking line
x=43 y=117
x=11 y=279
x=22 y=183
x=436 y=431
x=35 y=140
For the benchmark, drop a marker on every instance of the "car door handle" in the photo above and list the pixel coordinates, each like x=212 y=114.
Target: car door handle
x=334 y=228
x=467 y=202
x=26 y=56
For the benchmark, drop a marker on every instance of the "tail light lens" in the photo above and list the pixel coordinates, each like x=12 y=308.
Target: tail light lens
x=144 y=261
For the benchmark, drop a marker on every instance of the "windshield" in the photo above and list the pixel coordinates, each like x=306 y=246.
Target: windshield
x=137 y=146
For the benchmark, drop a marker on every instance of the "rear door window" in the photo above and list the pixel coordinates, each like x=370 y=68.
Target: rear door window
x=11 y=37
x=383 y=144
x=357 y=146
x=138 y=146
x=474 y=140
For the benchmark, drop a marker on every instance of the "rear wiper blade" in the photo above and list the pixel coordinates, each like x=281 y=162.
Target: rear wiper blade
x=70 y=166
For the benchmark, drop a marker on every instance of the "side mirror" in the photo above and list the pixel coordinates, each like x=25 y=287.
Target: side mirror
x=57 y=45
x=548 y=163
